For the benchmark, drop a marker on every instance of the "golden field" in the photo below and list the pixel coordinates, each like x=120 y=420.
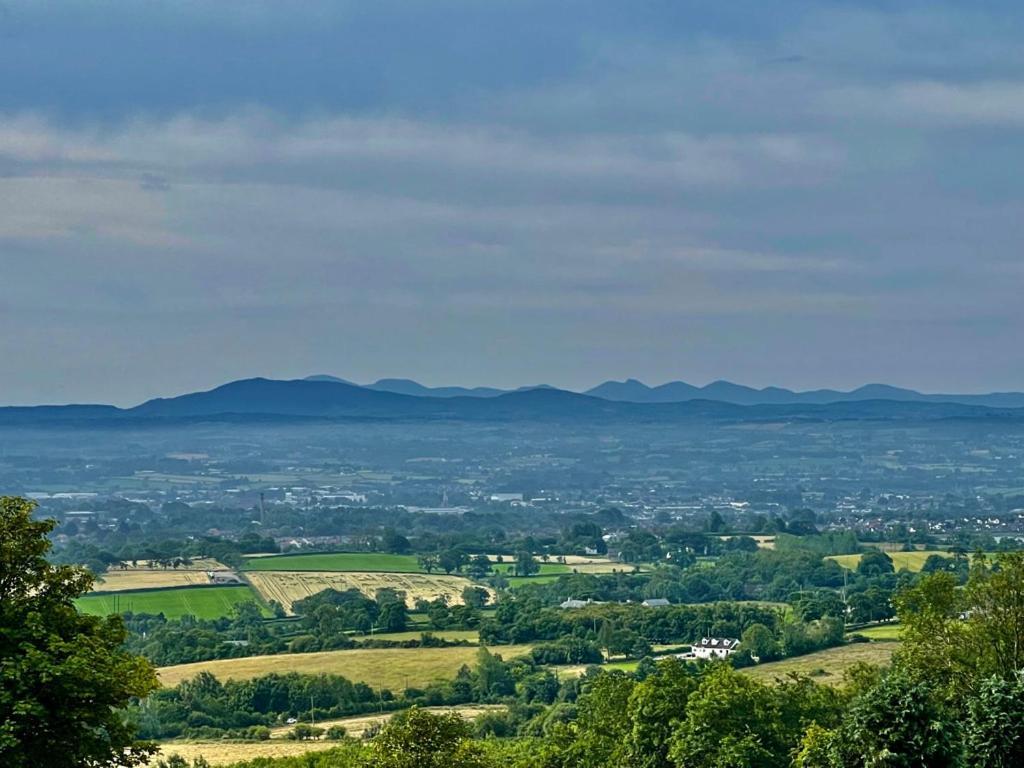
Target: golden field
x=143 y=577
x=829 y=665
x=226 y=752
x=392 y=668
x=286 y=587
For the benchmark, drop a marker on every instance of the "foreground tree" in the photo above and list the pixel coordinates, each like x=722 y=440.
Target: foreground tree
x=418 y=739
x=63 y=675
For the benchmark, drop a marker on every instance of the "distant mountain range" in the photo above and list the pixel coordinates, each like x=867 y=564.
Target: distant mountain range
x=634 y=391
x=323 y=397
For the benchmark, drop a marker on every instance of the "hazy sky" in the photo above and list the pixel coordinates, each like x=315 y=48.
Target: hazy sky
x=795 y=193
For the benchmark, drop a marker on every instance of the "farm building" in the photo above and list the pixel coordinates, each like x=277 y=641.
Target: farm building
x=223 y=577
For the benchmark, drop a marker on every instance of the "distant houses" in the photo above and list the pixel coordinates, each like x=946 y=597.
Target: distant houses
x=656 y=602
x=573 y=603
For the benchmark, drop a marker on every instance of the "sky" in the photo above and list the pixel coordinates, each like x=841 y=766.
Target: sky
x=802 y=194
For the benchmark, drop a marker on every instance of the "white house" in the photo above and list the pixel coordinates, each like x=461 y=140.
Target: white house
x=714 y=647
x=655 y=602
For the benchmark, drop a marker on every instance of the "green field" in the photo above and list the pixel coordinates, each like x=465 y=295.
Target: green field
x=519 y=581
x=202 y=602
x=336 y=561
x=882 y=632
x=546 y=569
x=912 y=561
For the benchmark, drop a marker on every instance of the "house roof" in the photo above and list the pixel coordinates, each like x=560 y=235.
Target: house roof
x=726 y=643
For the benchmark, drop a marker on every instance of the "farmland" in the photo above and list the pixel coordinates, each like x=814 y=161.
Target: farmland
x=143 y=577
x=882 y=632
x=224 y=752
x=286 y=587
x=202 y=602
x=393 y=668
x=912 y=561
x=336 y=561
x=829 y=665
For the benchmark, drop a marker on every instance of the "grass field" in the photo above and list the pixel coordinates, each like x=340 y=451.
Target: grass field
x=829 y=665
x=288 y=586
x=204 y=602
x=336 y=561
x=912 y=561
x=141 y=577
x=393 y=668
x=882 y=632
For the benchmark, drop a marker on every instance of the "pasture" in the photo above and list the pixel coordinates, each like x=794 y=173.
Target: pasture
x=912 y=561
x=336 y=561
x=826 y=666
x=286 y=587
x=202 y=602
x=392 y=668
x=881 y=632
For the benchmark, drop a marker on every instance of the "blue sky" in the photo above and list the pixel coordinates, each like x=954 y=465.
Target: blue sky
x=797 y=193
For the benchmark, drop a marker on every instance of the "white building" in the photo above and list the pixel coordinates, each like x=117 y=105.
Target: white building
x=714 y=647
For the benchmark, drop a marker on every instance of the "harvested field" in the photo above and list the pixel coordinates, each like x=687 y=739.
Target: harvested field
x=141 y=576
x=227 y=752
x=355 y=726
x=392 y=668
x=222 y=752
x=288 y=586
x=829 y=665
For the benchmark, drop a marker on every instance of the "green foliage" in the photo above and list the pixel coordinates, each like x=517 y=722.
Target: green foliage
x=419 y=739
x=63 y=676
x=897 y=723
x=655 y=707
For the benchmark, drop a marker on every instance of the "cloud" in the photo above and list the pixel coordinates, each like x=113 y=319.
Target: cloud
x=987 y=103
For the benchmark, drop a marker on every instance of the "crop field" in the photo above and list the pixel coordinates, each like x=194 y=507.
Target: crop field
x=336 y=561
x=226 y=752
x=202 y=602
x=143 y=577
x=288 y=586
x=829 y=665
x=912 y=561
x=392 y=668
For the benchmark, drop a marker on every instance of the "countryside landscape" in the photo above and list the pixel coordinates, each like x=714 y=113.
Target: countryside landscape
x=511 y=384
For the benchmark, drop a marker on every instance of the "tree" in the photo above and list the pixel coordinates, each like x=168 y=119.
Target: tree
x=525 y=564
x=875 y=563
x=994 y=730
x=63 y=676
x=418 y=739
x=654 y=705
x=452 y=560
x=427 y=562
x=475 y=597
x=896 y=723
x=760 y=642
